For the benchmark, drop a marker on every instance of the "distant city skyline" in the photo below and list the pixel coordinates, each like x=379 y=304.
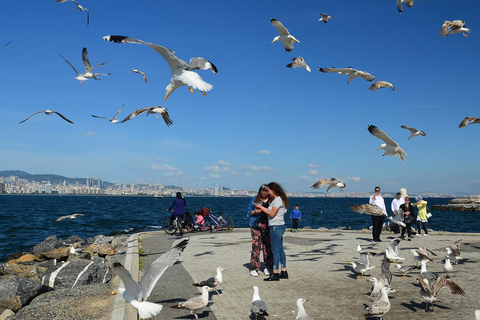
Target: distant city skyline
x=262 y=121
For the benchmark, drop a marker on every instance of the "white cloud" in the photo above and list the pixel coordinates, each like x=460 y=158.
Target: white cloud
x=90 y=133
x=215 y=176
x=312 y=172
x=223 y=163
x=158 y=159
x=203 y=178
x=164 y=167
x=217 y=168
x=328 y=173
x=257 y=168
x=304 y=177
x=249 y=174
x=175 y=174
x=315 y=165
x=264 y=152
x=356 y=179
x=404 y=164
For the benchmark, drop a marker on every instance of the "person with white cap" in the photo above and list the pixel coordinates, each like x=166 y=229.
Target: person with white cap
x=422 y=215
x=395 y=206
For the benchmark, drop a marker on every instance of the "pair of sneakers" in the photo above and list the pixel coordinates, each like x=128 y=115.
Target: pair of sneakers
x=254 y=273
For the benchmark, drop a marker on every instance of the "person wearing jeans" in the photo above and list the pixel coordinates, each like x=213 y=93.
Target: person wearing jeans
x=276 y=221
x=422 y=215
x=377 y=221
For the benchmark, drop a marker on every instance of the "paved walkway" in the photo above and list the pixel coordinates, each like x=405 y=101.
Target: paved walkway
x=319 y=271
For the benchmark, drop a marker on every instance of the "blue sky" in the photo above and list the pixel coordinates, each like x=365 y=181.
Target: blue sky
x=309 y=125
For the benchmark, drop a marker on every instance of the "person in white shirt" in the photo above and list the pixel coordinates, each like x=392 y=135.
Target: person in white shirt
x=276 y=212
x=377 y=221
x=396 y=203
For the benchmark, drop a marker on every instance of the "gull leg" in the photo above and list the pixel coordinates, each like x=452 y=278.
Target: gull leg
x=218 y=292
x=465 y=35
x=157 y=116
x=204 y=93
x=404 y=275
x=359 y=276
x=190 y=88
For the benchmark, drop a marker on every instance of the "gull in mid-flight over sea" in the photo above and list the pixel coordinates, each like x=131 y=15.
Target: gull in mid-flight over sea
x=351 y=73
x=137 y=293
x=390 y=146
x=332 y=183
x=380 y=85
x=182 y=73
x=299 y=62
x=81 y=77
x=79 y=7
x=409 y=4
x=151 y=110
x=284 y=36
x=70 y=216
x=47 y=112
x=5 y=45
x=414 y=132
x=112 y=120
x=468 y=121
x=324 y=17
x=453 y=27
x=142 y=73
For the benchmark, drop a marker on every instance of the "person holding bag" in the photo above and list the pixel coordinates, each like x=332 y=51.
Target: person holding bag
x=260 y=233
x=408 y=218
x=422 y=215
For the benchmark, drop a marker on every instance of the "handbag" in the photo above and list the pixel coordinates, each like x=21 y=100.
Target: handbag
x=429 y=213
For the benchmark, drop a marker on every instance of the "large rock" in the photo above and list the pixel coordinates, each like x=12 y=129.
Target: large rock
x=71 y=240
x=29 y=271
x=100 y=239
x=76 y=273
x=16 y=292
x=100 y=249
x=59 y=254
x=79 y=303
x=49 y=244
x=6 y=313
x=25 y=258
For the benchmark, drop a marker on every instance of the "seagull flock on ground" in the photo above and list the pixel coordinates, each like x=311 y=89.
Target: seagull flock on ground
x=430 y=284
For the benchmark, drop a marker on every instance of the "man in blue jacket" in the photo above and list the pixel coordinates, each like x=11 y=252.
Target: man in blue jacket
x=295 y=216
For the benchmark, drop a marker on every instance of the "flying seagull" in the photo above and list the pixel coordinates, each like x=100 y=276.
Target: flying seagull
x=332 y=183
x=5 y=45
x=429 y=292
x=468 y=121
x=112 y=120
x=299 y=62
x=47 y=112
x=70 y=216
x=137 y=293
x=88 y=68
x=212 y=282
x=391 y=253
x=79 y=7
x=258 y=306
x=142 y=73
x=367 y=208
x=151 y=110
x=453 y=27
x=324 y=17
x=409 y=4
x=390 y=146
x=182 y=73
x=453 y=252
x=284 y=36
x=380 y=85
x=301 y=313
x=414 y=132
x=195 y=303
x=351 y=73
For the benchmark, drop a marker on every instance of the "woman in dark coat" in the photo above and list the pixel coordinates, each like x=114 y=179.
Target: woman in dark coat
x=408 y=218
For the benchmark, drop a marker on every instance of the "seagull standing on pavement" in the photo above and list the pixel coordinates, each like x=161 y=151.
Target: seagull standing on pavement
x=212 y=282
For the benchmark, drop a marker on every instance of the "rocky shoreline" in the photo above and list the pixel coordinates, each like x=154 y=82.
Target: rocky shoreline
x=461 y=204
x=59 y=278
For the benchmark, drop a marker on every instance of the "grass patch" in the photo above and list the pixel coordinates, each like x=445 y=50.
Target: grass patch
x=140 y=264
x=141 y=252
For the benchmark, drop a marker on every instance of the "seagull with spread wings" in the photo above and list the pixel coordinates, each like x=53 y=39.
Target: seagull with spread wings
x=142 y=73
x=151 y=110
x=137 y=293
x=299 y=62
x=332 y=183
x=390 y=146
x=468 y=121
x=429 y=292
x=182 y=73
x=350 y=72
x=381 y=84
x=454 y=27
x=409 y=4
x=47 y=112
x=89 y=74
x=284 y=36
x=79 y=7
x=414 y=132
x=112 y=120
x=325 y=17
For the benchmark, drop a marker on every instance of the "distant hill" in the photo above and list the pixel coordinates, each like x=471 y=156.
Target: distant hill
x=53 y=178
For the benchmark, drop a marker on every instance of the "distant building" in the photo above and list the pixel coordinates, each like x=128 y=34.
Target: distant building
x=40 y=189
x=217 y=190
x=2 y=187
x=48 y=188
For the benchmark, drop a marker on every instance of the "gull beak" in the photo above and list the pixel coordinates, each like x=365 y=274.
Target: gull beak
x=166 y=97
x=306 y=299
x=272 y=41
x=349 y=262
x=114 y=292
x=377 y=148
x=190 y=88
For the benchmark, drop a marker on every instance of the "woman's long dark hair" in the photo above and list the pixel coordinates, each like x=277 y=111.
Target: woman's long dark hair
x=279 y=192
x=179 y=196
x=263 y=187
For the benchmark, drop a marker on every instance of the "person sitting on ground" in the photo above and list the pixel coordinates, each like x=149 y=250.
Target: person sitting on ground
x=199 y=219
x=188 y=223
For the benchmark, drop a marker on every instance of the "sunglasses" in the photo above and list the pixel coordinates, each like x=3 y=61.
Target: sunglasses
x=264 y=187
x=377 y=190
